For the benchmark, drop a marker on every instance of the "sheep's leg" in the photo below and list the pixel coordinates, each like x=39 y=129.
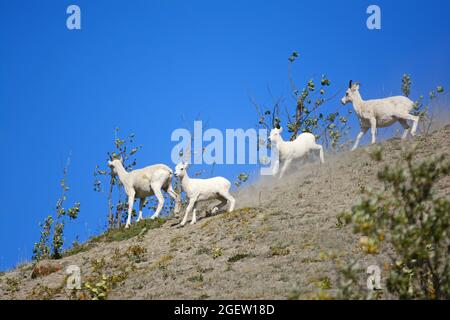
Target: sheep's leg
x=230 y=199
x=285 y=166
x=221 y=205
x=130 y=208
x=141 y=205
x=320 y=148
x=194 y=215
x=276 y=167
x=373 y=130
x=188 y=210
x=415 y=120
x=359 y=137
x=160 y=197
x=176 y=197
x=405 y=126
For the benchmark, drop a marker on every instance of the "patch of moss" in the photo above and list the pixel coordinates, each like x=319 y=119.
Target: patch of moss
x=78 y=248
x=136 y=229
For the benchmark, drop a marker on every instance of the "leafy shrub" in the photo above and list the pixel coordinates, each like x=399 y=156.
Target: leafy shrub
x=414 y=221
x=241 y=178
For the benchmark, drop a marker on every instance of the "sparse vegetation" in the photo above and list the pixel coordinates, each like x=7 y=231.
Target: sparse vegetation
x=43 y=292
x=414 y=221
x=422 y=106
x=125 y=149
x=279 y=251
x=162 y=263
x=308 y=113
x=12 y=285
x=136 y=229
x=101 y=281
x=241 y=179
x=238 y=257
x=136 y=254
x=196 y=278
x=217 y=252
x=53 y=226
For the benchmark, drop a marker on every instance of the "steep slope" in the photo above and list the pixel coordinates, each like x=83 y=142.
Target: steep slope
x=282 y=243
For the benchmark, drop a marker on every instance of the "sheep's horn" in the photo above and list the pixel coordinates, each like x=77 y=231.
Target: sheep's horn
x=350 y=84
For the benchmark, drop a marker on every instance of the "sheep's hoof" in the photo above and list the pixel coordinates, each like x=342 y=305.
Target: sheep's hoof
x=127 y=226
x=215 y=210
x=193 y=222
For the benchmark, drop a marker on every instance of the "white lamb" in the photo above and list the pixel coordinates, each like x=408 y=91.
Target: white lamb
x=289 y=151
x=143 y=183
x=380 y=113
x=203 y=189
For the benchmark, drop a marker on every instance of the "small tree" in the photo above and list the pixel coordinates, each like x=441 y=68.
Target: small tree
x=414 y=220
x=125 y=149
x=422 y=107
x=53 y=226
x=309 y=114
x=42 y=248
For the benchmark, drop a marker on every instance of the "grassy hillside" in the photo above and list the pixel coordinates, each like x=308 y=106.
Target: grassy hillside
x=283 y=242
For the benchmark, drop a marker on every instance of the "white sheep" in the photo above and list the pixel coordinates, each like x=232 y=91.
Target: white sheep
x=143 y=183
x=380 y=113
x=289 y=151
x=203 y=189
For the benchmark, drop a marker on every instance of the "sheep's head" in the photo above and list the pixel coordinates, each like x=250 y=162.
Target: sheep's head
x=180 y=169
x=350 y=94
x=275 y=135
x=114 y=164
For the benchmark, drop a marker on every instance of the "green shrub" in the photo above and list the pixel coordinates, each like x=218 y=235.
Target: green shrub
x=53 y=226
x=414 y=221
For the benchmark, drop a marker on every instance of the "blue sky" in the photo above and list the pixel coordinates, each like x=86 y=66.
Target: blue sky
x=144 y=65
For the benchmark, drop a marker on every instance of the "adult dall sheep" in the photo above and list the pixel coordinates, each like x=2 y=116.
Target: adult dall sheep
x=380 y=113
x=203 y=189
x=143 y=183
x=289 y=151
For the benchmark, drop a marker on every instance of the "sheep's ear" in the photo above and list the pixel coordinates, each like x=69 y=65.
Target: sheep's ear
x=109 y=163
x=184 y=164
x=280 y=130
x=121 y=159
x=350 y=84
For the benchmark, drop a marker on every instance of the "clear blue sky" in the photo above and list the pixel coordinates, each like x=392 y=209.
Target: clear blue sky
x=137 y=62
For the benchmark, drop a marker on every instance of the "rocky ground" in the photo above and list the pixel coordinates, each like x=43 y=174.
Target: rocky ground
x=282 y=243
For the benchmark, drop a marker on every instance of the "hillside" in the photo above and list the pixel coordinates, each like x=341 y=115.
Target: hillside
x=282 y=243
